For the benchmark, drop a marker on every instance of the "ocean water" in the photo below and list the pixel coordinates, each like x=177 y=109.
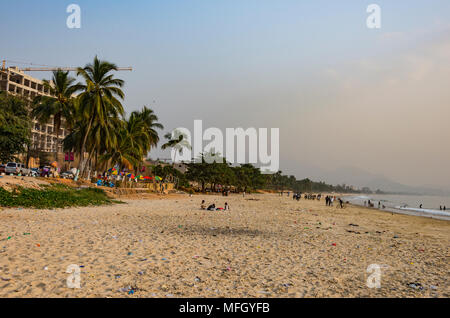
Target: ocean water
x=407 y=204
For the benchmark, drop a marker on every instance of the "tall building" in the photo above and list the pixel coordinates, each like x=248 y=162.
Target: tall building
x=43 y=137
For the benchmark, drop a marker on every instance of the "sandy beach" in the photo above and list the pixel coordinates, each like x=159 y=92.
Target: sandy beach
x=266 y=246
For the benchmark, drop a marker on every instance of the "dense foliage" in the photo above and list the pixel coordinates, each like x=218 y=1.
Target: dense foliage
x=99 y=131
x=209 y=176
x=15 y=129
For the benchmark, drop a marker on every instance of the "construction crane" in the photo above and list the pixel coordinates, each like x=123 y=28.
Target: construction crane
x=70 y=69
x=53 y=68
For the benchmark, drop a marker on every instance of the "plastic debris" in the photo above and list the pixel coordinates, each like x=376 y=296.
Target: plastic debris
x=416 y=286
x=264 y=292
x=125 y=289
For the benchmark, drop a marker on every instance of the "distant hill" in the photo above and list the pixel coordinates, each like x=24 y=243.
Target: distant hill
x=360 y=178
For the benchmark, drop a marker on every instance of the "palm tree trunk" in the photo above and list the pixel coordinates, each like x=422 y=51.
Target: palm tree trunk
x=57 y=145
x=83 y=161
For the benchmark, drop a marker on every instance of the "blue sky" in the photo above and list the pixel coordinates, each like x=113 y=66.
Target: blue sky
x=241 y=63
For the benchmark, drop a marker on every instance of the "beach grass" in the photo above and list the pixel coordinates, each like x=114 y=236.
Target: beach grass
x=54 y=196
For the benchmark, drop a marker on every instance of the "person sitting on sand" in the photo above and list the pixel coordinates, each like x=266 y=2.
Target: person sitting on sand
x=203 y=205
x=212 y=207
x=227 y=207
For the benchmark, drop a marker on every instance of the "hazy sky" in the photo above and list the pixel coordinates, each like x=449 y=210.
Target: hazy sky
x=341 y=94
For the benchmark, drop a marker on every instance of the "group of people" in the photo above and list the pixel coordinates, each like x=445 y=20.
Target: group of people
x=213 y=207
x=330 y=199
x=298 y=196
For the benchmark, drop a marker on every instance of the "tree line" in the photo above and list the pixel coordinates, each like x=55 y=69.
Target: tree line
x=222 y=175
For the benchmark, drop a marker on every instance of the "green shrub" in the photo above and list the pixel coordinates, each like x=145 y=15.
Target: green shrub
x=55 y=196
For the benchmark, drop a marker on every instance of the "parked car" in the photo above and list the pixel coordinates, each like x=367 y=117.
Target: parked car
x=67 y=175
x=16 y=168
x=34 y=172
x=2 y=169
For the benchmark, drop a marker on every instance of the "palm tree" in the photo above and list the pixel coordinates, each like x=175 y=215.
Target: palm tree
x=127 y=152
x=177 y=141
x=59 y=105
x=100 y=97
x=150 y=121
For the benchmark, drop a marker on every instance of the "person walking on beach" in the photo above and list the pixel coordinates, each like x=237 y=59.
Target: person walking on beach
x=420 y=206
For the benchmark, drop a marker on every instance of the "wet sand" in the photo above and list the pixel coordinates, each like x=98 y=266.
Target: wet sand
x=266 y=246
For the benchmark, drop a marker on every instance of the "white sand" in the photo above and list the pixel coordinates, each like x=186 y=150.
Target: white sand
x=268 y=247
